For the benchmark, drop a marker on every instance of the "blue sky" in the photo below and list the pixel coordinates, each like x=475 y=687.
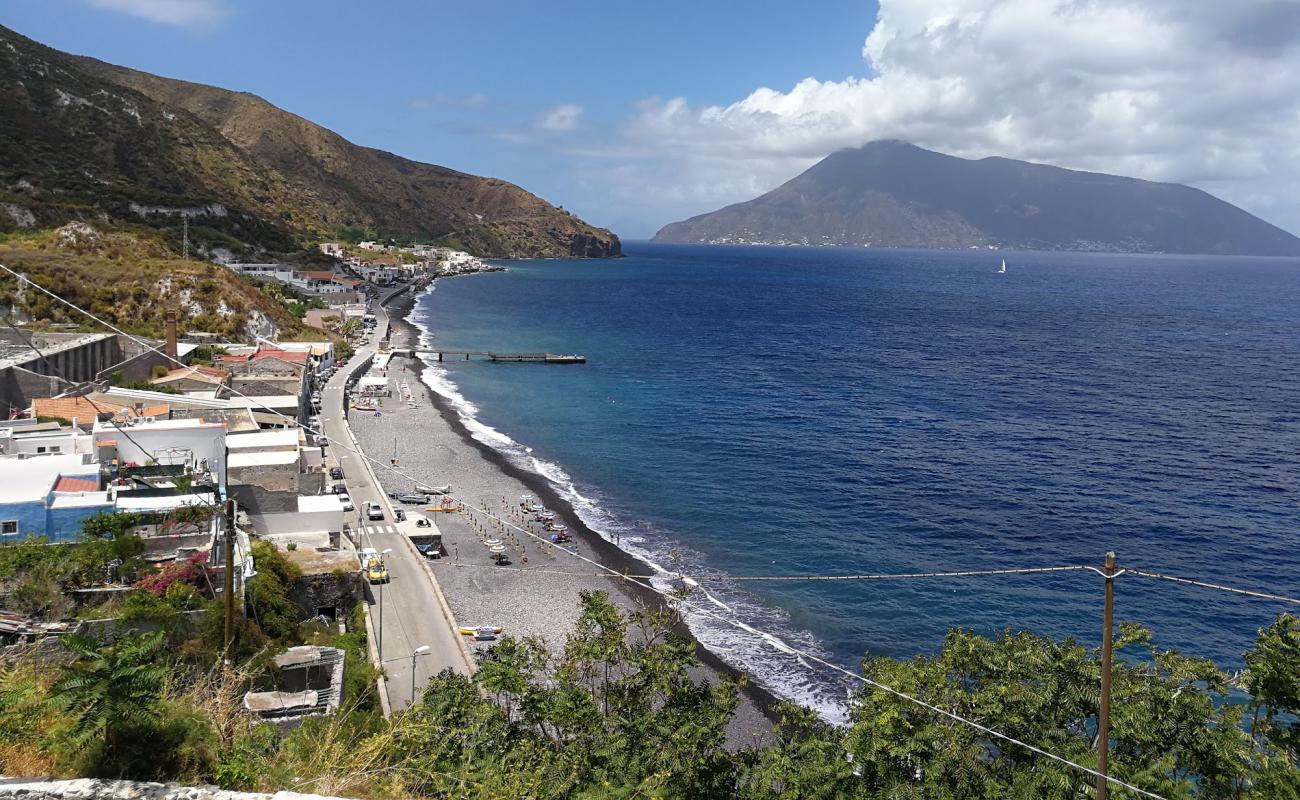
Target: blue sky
x=467 y=84
x=634 y=115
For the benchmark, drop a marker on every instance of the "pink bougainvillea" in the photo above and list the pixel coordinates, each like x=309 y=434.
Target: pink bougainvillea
x=188 y=570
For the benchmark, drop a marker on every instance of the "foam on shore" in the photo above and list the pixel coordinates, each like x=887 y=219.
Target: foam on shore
x=771 y=659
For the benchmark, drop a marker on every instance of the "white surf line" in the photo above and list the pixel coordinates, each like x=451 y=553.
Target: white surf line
x=734 y=623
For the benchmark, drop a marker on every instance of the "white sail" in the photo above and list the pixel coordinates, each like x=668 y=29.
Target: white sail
x=1004 y=267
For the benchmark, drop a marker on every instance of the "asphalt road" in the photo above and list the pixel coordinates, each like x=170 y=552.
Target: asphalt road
x=406 y=613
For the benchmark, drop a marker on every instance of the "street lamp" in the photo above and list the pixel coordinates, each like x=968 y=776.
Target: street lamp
x=419 y=651
x=381 y=608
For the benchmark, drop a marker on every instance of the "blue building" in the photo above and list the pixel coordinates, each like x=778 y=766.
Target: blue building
x=49 y=494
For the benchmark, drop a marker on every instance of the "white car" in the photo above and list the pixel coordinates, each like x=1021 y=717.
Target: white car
x=346 y=500
x=373 y=510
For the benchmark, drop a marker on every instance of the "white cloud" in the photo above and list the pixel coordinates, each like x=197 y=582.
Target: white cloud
x=444 y=100
x=185 y=13
x=1195 y=91
x=561 y=118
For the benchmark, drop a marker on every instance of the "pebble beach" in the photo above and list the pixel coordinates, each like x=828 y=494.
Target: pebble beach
x=537 y=592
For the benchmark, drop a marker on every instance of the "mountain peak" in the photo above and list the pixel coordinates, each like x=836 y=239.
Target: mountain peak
x=891 y=193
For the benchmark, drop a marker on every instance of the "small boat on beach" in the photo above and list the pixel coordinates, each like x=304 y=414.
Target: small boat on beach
x=491 y=630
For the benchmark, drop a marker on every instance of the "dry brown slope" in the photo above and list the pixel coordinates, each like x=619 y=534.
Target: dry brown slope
x=362 y=186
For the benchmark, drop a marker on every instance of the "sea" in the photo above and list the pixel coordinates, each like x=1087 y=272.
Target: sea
x=750 y=411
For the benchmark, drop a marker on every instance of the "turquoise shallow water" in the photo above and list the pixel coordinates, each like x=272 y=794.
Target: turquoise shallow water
x=753 y=410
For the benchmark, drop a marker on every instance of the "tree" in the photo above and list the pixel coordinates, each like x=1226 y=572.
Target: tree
x=110 y=688
x=1172 y=730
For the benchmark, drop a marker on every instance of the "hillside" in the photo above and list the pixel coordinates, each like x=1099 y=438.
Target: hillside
x=893 y=194
x=81 y=139
x=132 y=280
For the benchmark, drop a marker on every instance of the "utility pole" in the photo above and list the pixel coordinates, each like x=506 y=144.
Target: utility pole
x=230 y=575
x=1107 y=652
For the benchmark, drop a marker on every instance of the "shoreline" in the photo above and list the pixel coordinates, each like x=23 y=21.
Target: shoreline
x=762 y=700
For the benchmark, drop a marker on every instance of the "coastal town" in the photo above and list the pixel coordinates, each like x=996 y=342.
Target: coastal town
x=860 y=401
x=211 y=450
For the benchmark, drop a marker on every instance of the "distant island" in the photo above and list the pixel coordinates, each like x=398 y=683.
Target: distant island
x=894 y=194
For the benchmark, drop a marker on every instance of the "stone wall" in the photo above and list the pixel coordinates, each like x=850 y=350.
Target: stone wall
x=329 y=590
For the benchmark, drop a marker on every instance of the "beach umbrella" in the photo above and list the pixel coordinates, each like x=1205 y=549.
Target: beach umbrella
x=493 y=543
x=498 y=548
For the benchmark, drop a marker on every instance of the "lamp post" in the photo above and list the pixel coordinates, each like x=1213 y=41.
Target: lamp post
x=419 y=651
x=381 y=609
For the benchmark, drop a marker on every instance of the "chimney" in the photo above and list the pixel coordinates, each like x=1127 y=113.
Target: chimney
x=170 y=347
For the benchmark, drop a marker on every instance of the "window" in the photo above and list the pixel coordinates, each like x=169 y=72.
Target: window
x=9 y=527
x=54 y=448
x=40 y=450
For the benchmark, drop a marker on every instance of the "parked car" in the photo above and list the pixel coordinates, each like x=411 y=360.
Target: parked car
x=374 y=510
x=346 y=500
x=336 y=473
x=340 y=488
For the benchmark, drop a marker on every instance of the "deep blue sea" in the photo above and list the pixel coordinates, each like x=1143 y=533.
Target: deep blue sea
x=761 y=410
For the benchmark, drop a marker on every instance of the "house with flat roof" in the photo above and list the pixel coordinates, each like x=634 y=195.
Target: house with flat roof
x=50 y=494
x=272 y=459
x=308 y=520
x=195 y=444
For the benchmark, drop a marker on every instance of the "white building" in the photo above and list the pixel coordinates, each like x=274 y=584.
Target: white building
x=193 y=443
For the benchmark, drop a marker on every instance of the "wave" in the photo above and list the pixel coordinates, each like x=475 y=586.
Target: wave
x=774 y=661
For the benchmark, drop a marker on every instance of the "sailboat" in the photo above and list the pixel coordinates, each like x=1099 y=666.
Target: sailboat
x=1003 y=271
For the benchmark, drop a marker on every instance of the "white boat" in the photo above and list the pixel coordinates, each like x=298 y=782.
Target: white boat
x=1004 y=267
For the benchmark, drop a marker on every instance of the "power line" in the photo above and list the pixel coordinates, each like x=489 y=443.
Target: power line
x=1205 y=585
x=147 y=346
x=823 y=662
x=671 y=599
x=792 y=578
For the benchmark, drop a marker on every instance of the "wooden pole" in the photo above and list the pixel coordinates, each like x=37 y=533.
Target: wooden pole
x=1107 y=652
x=229 y=588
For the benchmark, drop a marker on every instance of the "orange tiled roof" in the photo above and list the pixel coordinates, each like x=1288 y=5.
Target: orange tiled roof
x=83 y=410
x=67 y=483
x=292 y=356
x=208 y=374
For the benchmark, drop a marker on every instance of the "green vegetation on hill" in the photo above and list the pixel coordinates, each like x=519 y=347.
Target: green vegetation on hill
x=154 y=700
x=618 y=713
x=132 y=280
x=85 y=140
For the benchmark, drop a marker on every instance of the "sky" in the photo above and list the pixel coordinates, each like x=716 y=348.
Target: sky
x=633 y=115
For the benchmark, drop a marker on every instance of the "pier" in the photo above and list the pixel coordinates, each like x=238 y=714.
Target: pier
x=539 y=358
